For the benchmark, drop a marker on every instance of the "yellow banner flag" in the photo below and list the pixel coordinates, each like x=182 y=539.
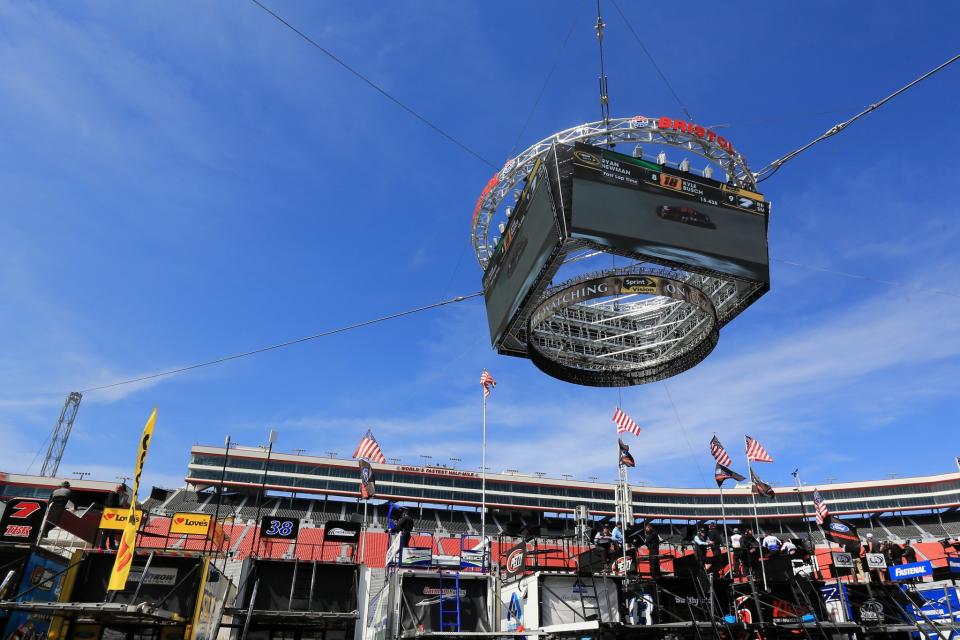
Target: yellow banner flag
x=128 y=540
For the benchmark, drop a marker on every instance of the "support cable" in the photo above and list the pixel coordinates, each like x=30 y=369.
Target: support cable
x=282 y=345
x=652 y=61
x=374 y=85
x=774 y=166
x=604 y=95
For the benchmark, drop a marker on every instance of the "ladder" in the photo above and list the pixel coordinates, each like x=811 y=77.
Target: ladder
x=589 y=602
x=450 y=616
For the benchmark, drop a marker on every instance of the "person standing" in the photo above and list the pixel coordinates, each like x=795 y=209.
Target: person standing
x=651 y=540
x=604 y=541
x=715 y=537
x=749 y=552
x=58 y=504
x=404 y=528
x=771 y=545
x=737 y=567
x=701 y=543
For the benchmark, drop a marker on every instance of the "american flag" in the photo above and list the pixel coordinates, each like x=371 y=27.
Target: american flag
x=487 y=382
x=821 y=507
x=369 y=449
x=756 y=452
x=719 y=453
x=625 y=423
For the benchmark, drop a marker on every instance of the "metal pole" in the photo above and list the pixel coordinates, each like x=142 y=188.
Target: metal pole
x=803 y=513
x=253 y=598
x=483 y=475
x=363 y=537
x=723 y=514
x=756 y=519
x=263 y=488
x=223 y=476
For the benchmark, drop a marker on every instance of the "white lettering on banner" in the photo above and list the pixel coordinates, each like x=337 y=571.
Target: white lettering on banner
x=337 y=531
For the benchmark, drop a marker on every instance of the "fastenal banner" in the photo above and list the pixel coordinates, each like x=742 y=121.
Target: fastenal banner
x=911 y=570
x=128 y=541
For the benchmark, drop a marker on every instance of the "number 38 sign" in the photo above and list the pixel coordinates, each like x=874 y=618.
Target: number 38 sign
x=286 y=528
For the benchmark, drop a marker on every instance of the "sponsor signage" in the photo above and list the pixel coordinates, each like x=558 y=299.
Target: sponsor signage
x=840 y=532
x=416 y=556
x=341 y=531
x=439 y=471
x=516 y=559
x=368 y=487
x=115 y=518
x=22 y=520
x=954 y=564
x=843 y=560
x=471 y=558
x=667 y=124
x=911 y=570
x=166 y=576
x=191 y=523
x=876 y=561
x=282 y=528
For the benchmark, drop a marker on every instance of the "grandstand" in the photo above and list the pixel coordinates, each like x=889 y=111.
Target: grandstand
x=446 y=508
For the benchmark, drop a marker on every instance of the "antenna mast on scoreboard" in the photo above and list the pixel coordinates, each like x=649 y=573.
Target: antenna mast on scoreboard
x=604 y=96
x=61 y=433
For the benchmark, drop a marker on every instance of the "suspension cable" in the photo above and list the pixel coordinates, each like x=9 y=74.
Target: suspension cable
x=772 y=168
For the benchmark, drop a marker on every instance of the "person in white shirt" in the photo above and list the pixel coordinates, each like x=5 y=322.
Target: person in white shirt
x=735 y=548
x=789 y=549
x=771 y=543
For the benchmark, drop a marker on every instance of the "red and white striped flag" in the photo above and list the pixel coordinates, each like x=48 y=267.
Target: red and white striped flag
x=719 y=453
x=756 y=452
x=822 y=511
x=369 y=449
x=625 y=423
x=487 y=382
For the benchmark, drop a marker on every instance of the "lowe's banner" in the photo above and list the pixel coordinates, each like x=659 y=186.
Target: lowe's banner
x=911 y=570
x=954 y=565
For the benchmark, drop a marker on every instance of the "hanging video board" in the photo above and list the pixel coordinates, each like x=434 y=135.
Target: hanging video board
x=522 y=256
x=668 y=216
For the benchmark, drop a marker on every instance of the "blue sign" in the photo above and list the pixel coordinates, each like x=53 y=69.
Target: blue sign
x=911 y=570
x=954 y=565
x=937 y=604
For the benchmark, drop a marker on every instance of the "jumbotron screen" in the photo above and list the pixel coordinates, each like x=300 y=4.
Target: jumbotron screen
x=668 y=216
x=523 y=253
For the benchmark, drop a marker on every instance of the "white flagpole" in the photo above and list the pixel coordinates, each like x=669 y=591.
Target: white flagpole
x=620 y=503
x=483 y=475
x=756 y=518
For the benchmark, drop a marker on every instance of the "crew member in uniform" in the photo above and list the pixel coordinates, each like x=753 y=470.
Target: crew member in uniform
x=651 y=540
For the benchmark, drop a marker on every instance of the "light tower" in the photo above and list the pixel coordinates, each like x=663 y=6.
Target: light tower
x=61 y=433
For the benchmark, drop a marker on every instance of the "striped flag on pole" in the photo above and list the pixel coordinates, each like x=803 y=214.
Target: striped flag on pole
x=625 y=423
x=719 y=453
x=487 y=382
x=821 y=508
x=756 y=452
x=369 y=449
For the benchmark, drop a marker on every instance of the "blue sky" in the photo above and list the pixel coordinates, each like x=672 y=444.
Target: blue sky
x=182 y=181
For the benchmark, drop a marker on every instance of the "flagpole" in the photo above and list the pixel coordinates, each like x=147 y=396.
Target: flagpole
x=483 y=475
x=756 y=518
x=620 y=497
x=803 y=513
x=723 y=514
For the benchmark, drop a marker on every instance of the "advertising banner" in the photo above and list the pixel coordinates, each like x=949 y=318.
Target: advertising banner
x=937 y=605
x=515 y=560
x=285 y=528
x=22 y=520
x=191 y=523
x=911 y=570
x=416 y=556
x=471 y=558
x=155 y=575
x=342 y=531
x=40 y=577
x=876 y=561
x=843 y=560
x=128 y=539
x=421 y=596
x=115 y=518
x=954 y=564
